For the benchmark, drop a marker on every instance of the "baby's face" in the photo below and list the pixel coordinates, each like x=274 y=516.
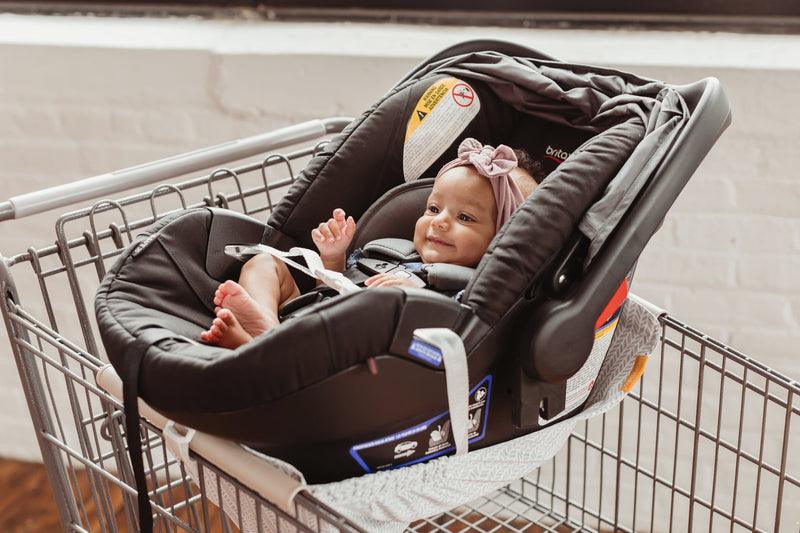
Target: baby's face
x=459 y=220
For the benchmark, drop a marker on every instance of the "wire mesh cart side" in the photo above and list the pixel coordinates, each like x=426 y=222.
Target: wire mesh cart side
x=702 y=442
x=47 y=295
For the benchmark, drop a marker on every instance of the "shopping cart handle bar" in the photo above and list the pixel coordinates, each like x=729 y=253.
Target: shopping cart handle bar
x=149 y=173
x=6 y=210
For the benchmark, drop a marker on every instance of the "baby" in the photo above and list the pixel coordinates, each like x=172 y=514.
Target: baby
x=472 y=197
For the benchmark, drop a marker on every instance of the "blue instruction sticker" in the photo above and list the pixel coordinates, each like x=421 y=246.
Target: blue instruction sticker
x=426 y=352
x=425 y=440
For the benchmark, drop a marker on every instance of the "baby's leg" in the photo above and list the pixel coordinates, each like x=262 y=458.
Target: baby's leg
x=265 y=285
x=267 y=279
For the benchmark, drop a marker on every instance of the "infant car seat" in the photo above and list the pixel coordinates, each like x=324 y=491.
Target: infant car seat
x=352 y=384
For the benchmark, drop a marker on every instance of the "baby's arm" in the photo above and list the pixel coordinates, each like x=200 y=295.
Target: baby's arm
x=332 y=239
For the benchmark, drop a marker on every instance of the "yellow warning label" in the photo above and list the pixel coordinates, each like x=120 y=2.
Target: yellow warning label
x=437 y=121
x=636 y=373
x=427 y=102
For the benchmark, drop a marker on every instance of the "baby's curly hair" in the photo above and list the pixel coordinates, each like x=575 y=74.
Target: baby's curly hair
x=531 y=166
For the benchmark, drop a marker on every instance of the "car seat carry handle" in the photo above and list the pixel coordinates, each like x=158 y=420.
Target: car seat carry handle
x=478 y=45
x=562 y=330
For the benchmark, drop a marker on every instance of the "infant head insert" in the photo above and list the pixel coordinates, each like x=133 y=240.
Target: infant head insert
x=357 y=383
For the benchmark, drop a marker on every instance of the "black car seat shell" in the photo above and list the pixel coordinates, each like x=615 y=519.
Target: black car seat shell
x=341 y=373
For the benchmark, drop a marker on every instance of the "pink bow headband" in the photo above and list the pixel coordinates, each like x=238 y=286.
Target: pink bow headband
x=495 y=164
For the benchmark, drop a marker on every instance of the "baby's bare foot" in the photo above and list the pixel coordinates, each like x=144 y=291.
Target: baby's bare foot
x=226 y=331
x=253 y=317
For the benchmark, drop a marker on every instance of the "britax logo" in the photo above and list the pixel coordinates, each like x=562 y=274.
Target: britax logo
x=556 y=153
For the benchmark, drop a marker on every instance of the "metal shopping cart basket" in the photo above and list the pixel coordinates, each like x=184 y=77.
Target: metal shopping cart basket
x=702 y=443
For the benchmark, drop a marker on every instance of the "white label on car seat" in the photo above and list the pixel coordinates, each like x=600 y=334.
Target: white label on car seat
x=438 y=119
x=581 y=384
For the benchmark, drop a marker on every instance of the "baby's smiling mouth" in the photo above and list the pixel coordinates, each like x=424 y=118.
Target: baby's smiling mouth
x=437 y=241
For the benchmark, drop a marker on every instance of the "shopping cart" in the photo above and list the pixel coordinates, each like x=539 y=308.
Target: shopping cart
x=702 y=443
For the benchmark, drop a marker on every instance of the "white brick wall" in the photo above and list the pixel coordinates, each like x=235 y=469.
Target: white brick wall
x=80 y=97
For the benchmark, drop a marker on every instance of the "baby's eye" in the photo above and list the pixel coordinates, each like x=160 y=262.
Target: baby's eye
x=433 y=209
x=463 y=217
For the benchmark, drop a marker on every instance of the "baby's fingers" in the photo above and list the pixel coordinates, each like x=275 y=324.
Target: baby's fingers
x=374 y=281
x=322 y=233
x=386 y=280
x=350 y=227
x=335 y=229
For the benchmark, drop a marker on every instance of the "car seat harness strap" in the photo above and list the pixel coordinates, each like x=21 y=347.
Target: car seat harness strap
x=381 y=256
x=313 y=266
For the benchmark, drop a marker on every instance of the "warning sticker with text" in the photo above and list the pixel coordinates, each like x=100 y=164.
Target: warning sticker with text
x=580 y=385
x=439 y=117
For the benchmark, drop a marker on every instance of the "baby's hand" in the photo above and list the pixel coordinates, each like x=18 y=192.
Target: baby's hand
x=389 y=280
x=333 y=237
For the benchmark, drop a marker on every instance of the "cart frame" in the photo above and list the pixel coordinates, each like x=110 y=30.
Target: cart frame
x=700 y=444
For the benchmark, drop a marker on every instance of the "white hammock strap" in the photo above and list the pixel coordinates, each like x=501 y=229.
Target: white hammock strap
x=456 y=371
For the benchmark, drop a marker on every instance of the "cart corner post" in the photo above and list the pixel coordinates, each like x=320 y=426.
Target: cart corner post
x=34 y=393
